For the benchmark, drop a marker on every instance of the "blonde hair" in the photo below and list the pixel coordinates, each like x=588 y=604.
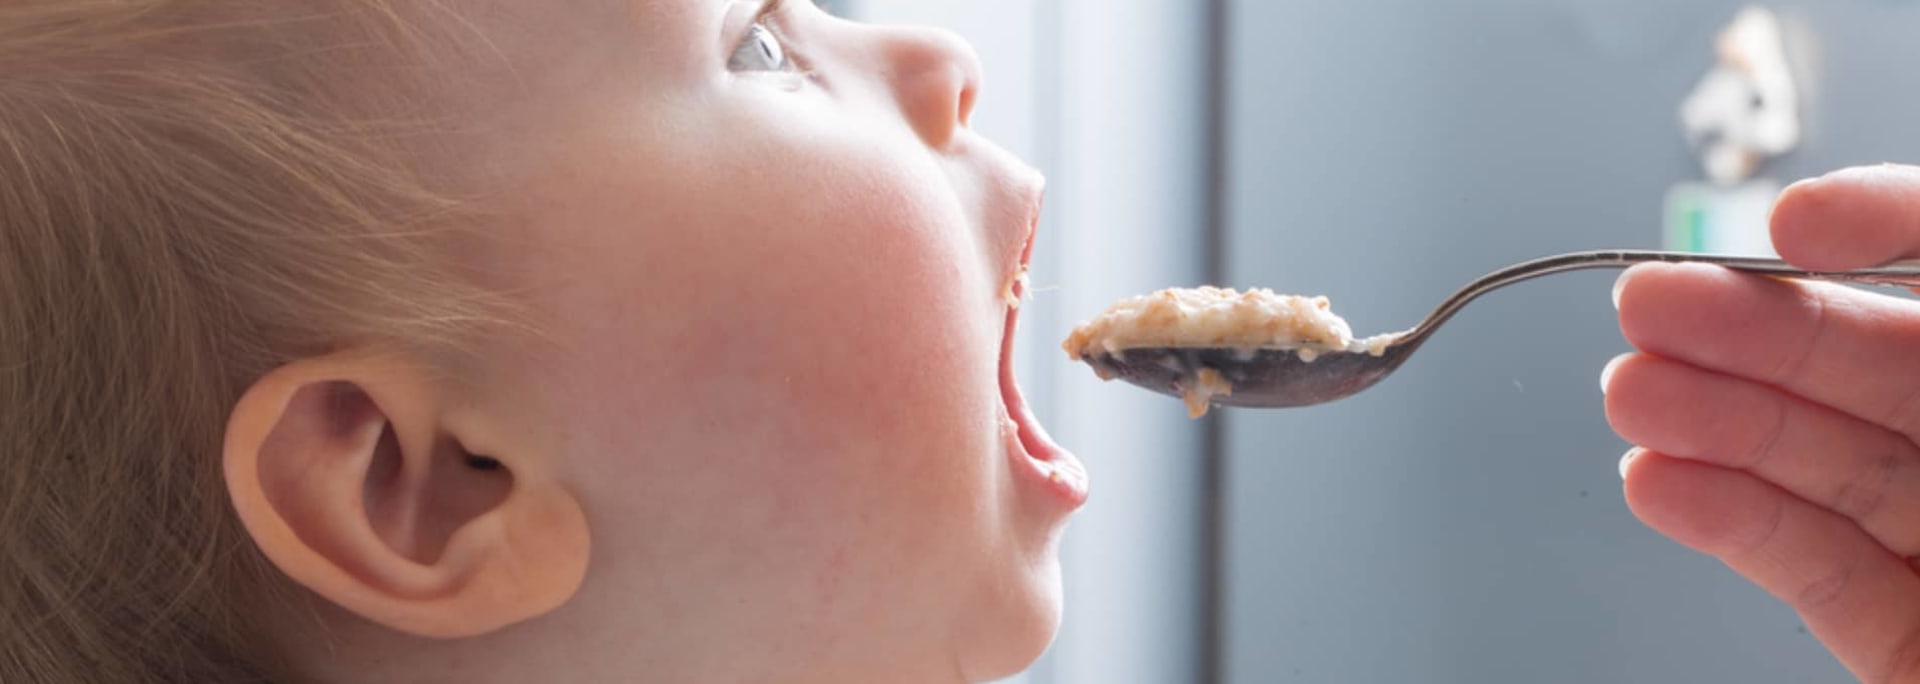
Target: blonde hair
x=192 y=192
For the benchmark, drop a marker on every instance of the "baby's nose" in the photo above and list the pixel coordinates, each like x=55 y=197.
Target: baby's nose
x=936 y=76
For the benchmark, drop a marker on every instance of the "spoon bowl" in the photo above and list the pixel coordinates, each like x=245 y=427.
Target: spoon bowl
x=1260 y=378
x=1284 y=378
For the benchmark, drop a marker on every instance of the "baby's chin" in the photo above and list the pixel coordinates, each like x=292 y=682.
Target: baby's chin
x=1016 y=624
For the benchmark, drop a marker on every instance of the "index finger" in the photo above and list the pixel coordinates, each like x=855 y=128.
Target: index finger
x=1851 y=218
x=1849 y=350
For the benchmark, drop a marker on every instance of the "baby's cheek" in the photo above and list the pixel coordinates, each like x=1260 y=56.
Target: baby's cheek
x=899 y=342
x=892 y=295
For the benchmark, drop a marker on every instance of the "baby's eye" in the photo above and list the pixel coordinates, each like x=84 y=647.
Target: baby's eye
x=761 y=51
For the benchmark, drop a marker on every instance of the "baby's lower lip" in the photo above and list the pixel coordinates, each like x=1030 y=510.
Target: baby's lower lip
x=1051 y=468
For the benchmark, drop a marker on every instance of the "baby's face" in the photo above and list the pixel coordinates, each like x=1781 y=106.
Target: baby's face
x=771 y=266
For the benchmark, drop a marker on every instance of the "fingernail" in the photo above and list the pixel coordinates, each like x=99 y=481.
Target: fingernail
x=1620 y=284
x=1606 y=374
x=1627 y=460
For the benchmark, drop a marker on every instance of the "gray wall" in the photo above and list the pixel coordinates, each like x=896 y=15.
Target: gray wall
x=1462 y=522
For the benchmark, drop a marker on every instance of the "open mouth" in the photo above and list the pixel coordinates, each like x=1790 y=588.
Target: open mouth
x=1060 y=470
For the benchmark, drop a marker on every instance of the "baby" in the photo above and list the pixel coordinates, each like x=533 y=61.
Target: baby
x=565 y=341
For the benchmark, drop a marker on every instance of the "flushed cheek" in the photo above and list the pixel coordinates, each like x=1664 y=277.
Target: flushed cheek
x=878 y=277
x=879 y=446
x=890 y=341
x=892 y=362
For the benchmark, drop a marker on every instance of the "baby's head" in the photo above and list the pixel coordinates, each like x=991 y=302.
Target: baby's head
x=595 y=340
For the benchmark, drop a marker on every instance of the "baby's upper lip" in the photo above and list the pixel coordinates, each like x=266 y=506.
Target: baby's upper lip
x=1031 y=188
x=1034 y=190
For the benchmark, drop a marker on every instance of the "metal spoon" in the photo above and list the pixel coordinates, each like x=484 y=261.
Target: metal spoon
x=1280 y=378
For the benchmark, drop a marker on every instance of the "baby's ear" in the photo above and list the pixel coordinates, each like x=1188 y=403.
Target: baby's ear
x=358 y=480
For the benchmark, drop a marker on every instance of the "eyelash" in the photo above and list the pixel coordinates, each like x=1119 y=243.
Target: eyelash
x=765 y=23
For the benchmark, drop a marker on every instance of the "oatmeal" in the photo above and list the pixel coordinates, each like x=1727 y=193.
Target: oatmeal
x=1016 y=287
x=1212 y=317
x=1199 y=396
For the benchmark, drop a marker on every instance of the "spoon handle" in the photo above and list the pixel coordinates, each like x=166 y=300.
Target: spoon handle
x=1898 y=274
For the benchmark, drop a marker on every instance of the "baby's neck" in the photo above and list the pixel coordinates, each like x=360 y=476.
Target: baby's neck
x=352 y=651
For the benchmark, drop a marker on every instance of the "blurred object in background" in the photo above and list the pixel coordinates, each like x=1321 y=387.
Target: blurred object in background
x=1709 y=218
x=1744 y=113
x=1746 y=110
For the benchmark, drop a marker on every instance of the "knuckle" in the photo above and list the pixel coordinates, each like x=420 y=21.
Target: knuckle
x=1792 y=368
x=1826 y=590
x=1902 y=664
x=1865 y=494
x=1756 y=534
x=1768 y=443
x=1901 y=414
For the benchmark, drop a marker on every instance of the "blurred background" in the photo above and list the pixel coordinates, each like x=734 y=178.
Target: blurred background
x=1462 y=522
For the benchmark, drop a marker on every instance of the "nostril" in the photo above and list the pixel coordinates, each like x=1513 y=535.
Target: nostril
x=968 y=95
x=936 y=75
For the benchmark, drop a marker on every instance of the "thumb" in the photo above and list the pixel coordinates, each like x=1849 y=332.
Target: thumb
x=1852 y=218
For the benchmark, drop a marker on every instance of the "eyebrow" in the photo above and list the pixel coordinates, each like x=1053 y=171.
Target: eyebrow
x=768 y=8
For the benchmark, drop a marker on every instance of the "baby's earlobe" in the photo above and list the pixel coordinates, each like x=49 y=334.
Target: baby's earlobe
x=352 y=478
